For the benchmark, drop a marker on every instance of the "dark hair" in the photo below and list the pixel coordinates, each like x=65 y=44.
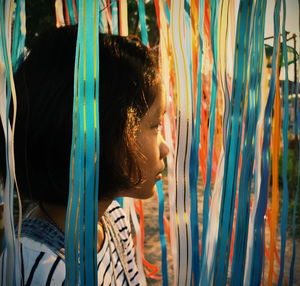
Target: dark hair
x=129 y=82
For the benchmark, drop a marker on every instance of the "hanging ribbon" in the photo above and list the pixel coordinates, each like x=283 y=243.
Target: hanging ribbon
x=139 y=244
x=197 y=47
x=162 y=238
x=212 y=112
x=8 y=97
x=232 y=148
x=82 y=212
x=142 y=17
x=182 y=157
x=285 y=126
x=19 y=34
x=123 y=18
x=169 y=128
x=249 y=142
x=115 y=20
x=103 y=17
x=70 y=12
x=59 y=14
x=257 y=250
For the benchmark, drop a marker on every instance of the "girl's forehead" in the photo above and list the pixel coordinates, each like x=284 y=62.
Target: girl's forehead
x=158 y=107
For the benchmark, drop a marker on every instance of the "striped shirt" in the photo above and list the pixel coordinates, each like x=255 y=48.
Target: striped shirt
x=40 y=265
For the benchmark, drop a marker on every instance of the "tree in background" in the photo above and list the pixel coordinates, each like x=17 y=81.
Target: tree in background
x=40 y=15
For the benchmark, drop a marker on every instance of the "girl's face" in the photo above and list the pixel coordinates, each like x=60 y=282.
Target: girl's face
x=152 y=150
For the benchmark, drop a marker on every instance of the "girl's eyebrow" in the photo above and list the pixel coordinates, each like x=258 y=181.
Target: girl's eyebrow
x=160 y=111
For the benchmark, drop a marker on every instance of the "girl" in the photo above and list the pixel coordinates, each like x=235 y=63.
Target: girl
x=131 y=160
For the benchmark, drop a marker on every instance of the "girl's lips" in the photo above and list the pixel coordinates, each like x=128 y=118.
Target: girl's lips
x=158 y=177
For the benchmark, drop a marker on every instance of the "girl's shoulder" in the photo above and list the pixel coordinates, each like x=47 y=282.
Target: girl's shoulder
x=39 y=264
x=42 y=253
x=119 y=218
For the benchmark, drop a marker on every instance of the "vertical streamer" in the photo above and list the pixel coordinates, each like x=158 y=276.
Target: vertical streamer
x=232 y=148
x=123 y=18
x=164 y=266
x=9 y=100
x=142 y=17
x=103 y=23
x=59 y=13
x=194 y=46
x=259 y=224
x=182 y=157
x=168 y=120
x=82 y=212
x=214 y=8
x=248 y=153
x=208 y=253
x=115 y=20
x=275 y=152
x=197 y=47
x=139 y=245
x=72 y=11
x=19 y=34
x=285 y=126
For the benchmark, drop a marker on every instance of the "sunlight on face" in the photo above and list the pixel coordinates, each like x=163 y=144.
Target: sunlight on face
x=152 y=149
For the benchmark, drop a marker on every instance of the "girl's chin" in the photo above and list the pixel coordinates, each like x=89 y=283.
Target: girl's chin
x=141 y=193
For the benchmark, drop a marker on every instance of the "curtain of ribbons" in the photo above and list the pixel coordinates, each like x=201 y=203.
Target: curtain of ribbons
x=227 y=126
x=12 y=39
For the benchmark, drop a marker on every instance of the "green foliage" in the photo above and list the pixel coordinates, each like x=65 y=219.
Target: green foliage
x=292 y=176
x=297 y=218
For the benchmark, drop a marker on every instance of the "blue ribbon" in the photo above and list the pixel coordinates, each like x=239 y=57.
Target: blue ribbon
x=257 y=251
x=115 y=19
x=82 y=213
x=167 y=11
x=194 y=160
x=207 y=190
x=71 y=12
x=285 y=201
x=241 y=234
x=163 y=244
x=11 y=265
x=232 y=148
x=142 y=17
x=18 y=36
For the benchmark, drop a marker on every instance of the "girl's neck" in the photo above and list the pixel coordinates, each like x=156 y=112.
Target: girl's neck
x=56 y=214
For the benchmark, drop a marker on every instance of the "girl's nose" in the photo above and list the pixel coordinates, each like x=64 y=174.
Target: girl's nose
x=164 y=148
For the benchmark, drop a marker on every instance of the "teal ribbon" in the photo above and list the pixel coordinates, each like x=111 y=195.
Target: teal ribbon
x=12 y=270
x=194 y=160
x=82 y=213
x=71 y=12
x=212 y=114
x=232 y=147
x=163 y=244
x=19 y=35
x=167 y=11
x=254 y=93
x=115 y=19
x=259 y=224
x=142 y=18
x=102 y=17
